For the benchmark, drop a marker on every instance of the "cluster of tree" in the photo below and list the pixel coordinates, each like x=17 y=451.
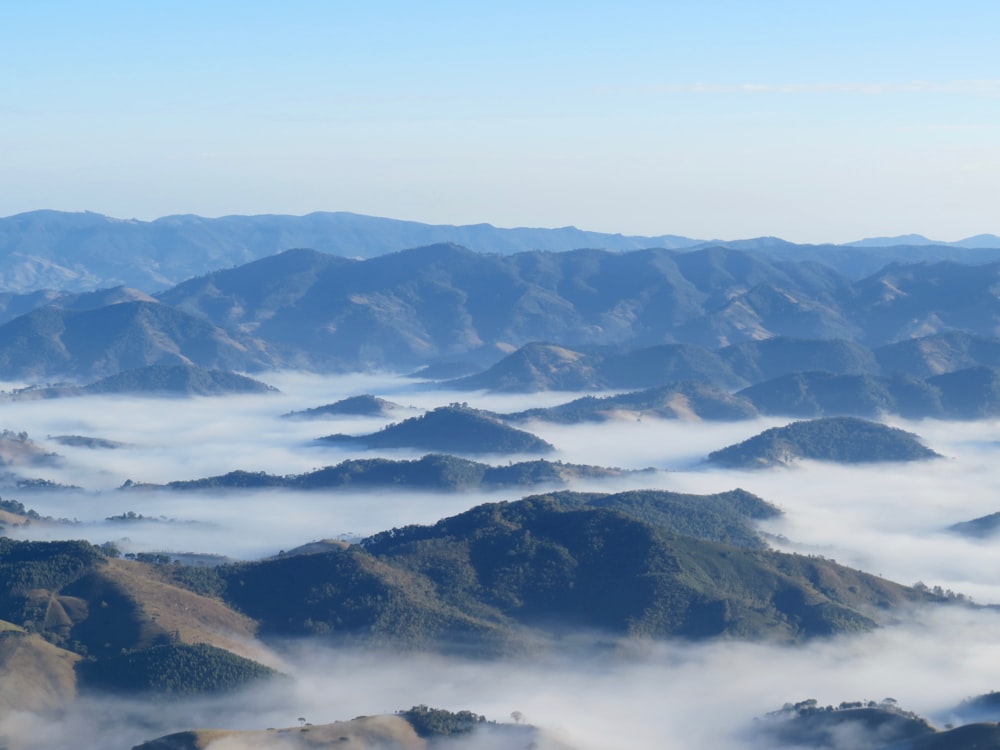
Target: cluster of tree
x=172 y=669
x=437 y=722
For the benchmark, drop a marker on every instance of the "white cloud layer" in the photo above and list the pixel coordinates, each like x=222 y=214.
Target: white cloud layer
x=888 y=520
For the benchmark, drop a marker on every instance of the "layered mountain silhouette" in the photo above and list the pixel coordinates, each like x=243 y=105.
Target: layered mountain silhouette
x=80 y=251
x=444 y=304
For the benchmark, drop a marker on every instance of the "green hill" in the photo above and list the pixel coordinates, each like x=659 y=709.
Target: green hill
x=451 y=429
x=541 y=565
x=838 y=439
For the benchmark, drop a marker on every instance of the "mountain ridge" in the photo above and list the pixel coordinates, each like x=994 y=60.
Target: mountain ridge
x=85 y=250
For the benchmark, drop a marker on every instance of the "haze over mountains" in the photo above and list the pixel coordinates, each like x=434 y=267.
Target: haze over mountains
x=81 y=251
x=332 y=527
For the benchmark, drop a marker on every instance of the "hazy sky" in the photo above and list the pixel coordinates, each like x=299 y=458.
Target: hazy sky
x=714 y=119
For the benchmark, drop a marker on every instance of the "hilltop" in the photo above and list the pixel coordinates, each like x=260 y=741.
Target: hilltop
x=839 y=439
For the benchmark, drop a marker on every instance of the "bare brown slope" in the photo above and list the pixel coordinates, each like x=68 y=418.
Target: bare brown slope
x=182 y=614
x=363 y=733
x=37 y=676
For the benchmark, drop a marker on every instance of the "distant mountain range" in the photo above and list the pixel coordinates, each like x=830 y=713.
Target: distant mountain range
x=82 y=251
x=449 y=307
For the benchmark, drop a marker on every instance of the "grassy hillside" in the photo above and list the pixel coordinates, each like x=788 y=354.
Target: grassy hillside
x=93 y=612
x=37 y=676
x=419 y=728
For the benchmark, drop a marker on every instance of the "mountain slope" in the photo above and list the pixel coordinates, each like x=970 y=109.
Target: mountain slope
x=104 y=341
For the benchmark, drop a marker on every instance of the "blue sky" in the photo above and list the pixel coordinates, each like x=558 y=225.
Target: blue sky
x=814 y=121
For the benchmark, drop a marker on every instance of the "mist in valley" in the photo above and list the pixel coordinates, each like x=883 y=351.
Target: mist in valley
x=887 y=519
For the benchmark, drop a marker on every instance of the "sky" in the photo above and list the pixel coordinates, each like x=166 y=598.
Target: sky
x=717 y=119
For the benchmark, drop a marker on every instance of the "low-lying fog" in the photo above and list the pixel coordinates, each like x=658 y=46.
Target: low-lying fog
x=668 y=696
x=886 y=519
